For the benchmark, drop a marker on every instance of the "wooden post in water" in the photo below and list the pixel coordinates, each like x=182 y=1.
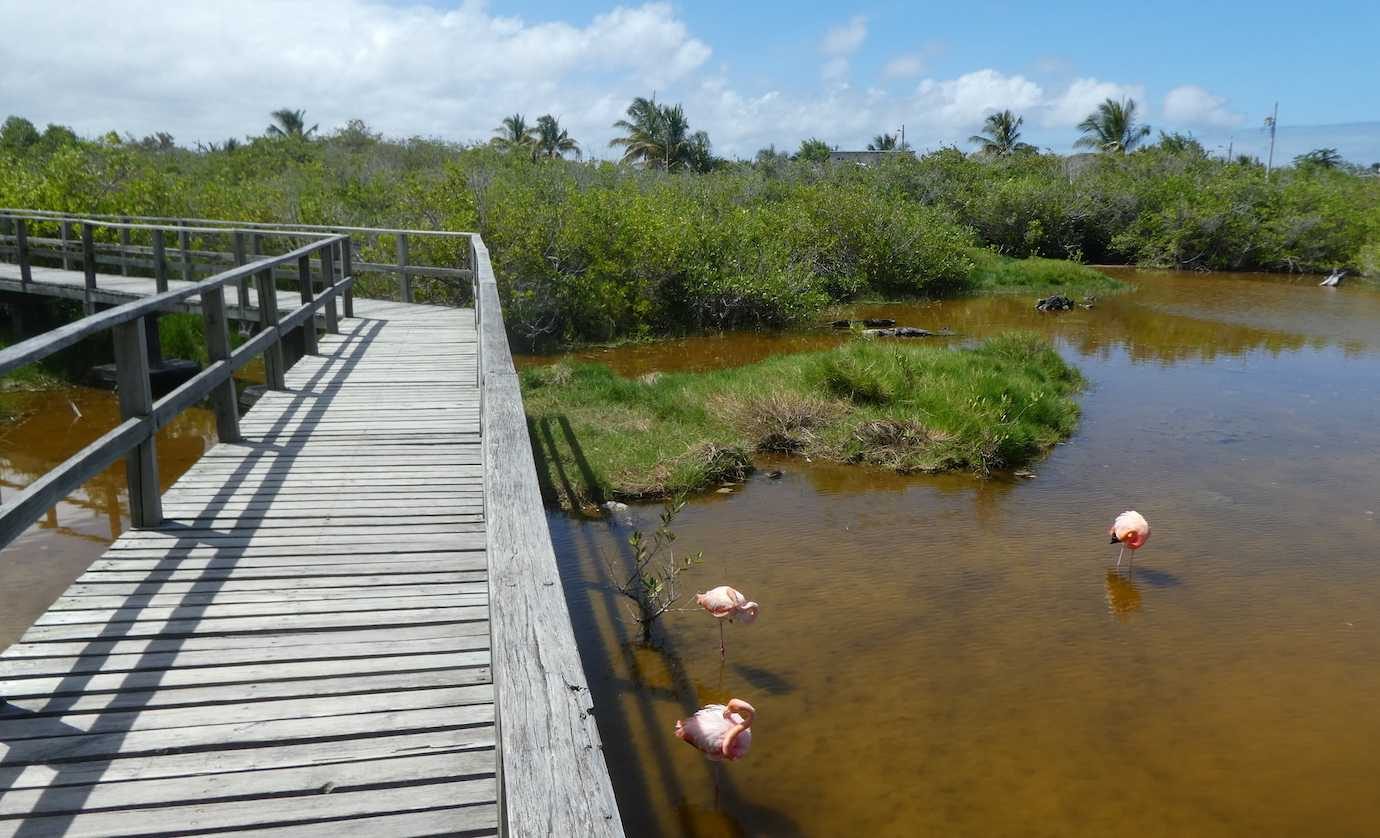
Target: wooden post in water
x=136 y=401
x=406 y=282
x=66 y=230
x=184 y=241
x=124 y=247
x=21 y=247
x=347 y=271
x=275 y=370
x=88 y=267
x=160 y=262
x=223 y=399
x=304 y=280
x=328 y=273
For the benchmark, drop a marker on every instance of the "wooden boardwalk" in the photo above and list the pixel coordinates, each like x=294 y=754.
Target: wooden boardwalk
x=302 y=646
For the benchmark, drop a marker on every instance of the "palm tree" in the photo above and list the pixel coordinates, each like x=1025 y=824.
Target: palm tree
x=882 y=142
x=290 y=123
x=1322 y=158
x=552 y=140
x=515 y=133
x=659 y=137
x=1002 y=135
x=1112 y=127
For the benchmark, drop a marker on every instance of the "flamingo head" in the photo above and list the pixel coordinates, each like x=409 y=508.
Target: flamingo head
x=738 y=740
x=747 y=612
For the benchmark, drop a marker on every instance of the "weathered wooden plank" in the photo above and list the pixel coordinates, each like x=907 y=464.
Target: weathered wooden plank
x=267 y=813
x=278 y=623
x=305 y=641
x=81 y=746
x=343 y=777
x=125 y=767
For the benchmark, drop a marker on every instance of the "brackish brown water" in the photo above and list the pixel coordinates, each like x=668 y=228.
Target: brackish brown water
x=950 y=656
x=52 y=426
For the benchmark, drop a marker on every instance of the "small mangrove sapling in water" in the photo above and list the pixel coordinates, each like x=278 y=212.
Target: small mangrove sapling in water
x=652 y=584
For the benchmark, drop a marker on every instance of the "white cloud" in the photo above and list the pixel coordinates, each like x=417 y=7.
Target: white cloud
x=845 y=39
x=1083 y=96
x=904 y=67
x=1191 y=105
x=205 y=71
x=967 y=99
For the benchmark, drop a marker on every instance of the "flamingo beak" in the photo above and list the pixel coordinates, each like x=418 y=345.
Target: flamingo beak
x=1115 y=540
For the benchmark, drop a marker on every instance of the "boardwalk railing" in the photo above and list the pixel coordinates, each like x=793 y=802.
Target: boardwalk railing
x=142 y=416
x=552 y=779
x=552 y=776
x=375 y=250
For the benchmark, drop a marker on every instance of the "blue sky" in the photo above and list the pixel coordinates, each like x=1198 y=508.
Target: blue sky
x=750 y=74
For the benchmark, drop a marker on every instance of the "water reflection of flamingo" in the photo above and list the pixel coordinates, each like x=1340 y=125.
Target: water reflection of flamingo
x=1130 y=530
x=1123 y=597
x=725 y=603
x=721 y=732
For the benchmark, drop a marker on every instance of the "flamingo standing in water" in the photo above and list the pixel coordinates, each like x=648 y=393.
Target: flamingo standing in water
x=725 y=603
x=721 y=731
x=1130 y=530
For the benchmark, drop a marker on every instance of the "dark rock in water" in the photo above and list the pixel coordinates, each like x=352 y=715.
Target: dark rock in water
x=907 y=332
x=842 y=324
x=878 y=323
x=163 y=379
x=775 y=474
x=251 y=394
x=1058 y=302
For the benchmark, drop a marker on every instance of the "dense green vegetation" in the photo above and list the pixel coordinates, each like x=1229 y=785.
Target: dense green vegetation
x=677 y=240
x=910 y=408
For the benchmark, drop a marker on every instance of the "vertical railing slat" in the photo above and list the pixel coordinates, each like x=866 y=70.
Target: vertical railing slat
x=223 y=399
x=160 y=262
x=406 y=281
x=124 y=247
x=88 y=267
x=21 y=244
x=66 y=231
x=328 y=273
x=275 y=371
x=184 y=242
x=304 y=281
x=347 y=271
x=136 y=401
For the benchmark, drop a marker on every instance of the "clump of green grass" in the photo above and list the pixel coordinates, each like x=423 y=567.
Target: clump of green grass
x=993 y=406
x=996 y=274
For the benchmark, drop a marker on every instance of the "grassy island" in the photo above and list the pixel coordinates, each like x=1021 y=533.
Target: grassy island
x=996 y=405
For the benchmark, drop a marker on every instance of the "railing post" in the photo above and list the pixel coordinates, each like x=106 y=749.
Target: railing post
x=309 y=325
x=242 y=303
x=88 y=266
x=124 y=247
x=346 y=271
x=184 y=241
x=160 y=262
x=402 y=268
x=223 y=399
x=136 y=401
x=275 y=371
x=21 y=245
x=328 y=273
x=66 y=228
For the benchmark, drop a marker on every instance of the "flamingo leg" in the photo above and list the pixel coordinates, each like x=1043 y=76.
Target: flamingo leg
x=1119 y=555
x=722 y=651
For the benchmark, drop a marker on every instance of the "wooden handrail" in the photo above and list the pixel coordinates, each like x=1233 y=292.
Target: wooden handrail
x=552 y=776
x=141 y=416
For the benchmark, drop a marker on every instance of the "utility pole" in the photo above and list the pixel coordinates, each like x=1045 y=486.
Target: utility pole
x=1271 y=122
x=1231 y=141
x=902 y=146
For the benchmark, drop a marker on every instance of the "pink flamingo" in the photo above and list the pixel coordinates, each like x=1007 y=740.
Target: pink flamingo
x=726 y=603
x=1130 y=530
x=721 y=731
